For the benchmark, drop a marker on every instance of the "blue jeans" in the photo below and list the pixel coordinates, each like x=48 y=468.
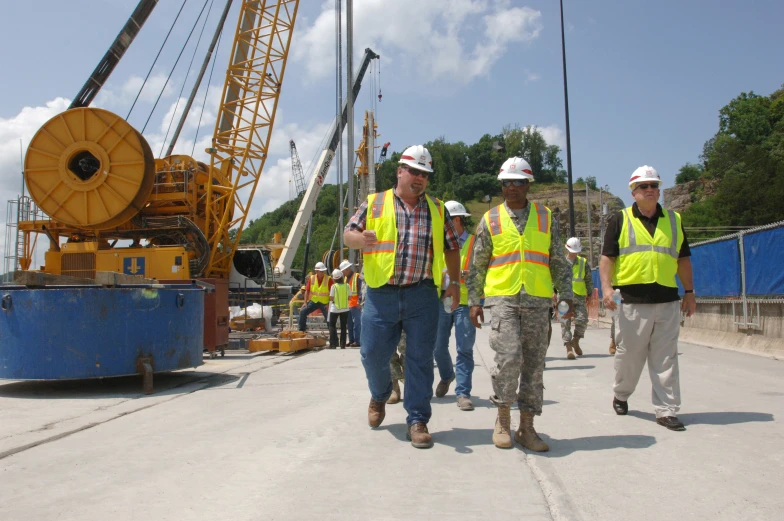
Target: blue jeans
x=465 y=335
x=389 y=310
x=309 y=308
x=354 y=324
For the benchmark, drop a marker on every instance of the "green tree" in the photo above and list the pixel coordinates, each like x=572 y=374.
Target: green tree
x=688 y=172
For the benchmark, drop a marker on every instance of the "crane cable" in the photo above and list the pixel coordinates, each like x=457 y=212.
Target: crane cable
x=160 y=94
x=206 y=90
x=156 y=59
x=179 y=96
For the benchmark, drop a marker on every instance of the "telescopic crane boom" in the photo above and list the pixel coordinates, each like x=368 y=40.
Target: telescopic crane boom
x=283 y=267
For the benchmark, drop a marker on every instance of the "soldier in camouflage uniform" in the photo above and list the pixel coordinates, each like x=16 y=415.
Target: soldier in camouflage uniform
x=397 y=366
x=519 y=322
x=582 y=286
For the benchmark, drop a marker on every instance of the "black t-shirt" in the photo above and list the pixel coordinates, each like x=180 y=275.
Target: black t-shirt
x=653 y=293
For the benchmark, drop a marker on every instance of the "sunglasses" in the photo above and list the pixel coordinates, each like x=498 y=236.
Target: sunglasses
x=645 y=186
x=514 y=182
x=415 y=171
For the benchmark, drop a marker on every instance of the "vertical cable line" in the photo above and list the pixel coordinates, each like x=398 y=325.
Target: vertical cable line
x=156 y=59
x=188 y=71
x=206 y=91
x=160 y=94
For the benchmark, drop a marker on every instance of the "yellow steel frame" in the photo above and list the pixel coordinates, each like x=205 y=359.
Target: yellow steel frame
x=245 y=118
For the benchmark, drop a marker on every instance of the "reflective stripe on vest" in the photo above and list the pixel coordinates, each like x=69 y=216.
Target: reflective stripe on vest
x=519 y=260
x=643 y=259
x=341 y=295
x=379 y=259
x=353 y=299
x=578 y=277
x=465 y=262
x=319 y=293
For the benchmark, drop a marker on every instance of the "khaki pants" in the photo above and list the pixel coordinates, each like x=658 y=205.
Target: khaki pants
x=649 y=332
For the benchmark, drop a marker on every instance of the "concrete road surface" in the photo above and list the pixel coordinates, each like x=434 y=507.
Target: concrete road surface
x=286 y=438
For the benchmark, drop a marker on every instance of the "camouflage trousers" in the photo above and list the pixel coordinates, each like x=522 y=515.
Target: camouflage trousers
x=519 y=338
x=397 y=363
x=580 y=321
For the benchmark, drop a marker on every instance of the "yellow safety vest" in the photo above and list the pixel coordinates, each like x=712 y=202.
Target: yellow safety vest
x=578 y=277
x=643 y=259
x=353 y=300
x=519 y=260
x=341 y=295
x=319 y=293
x=379 y=259
x=465 y=261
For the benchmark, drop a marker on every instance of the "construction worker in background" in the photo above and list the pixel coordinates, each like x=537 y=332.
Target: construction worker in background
x=518 y=255
x=644 y=248
x=406 y=237
x=354 y=309
x=582 y=287
x=339 y=294
x=465 y=332
x=316 y=295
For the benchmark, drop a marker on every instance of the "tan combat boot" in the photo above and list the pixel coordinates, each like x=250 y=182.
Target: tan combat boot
x=502 y=434
x=612 y=346
x=526 y=435
x=396 y=395
x=576 y=346
x=569 y=351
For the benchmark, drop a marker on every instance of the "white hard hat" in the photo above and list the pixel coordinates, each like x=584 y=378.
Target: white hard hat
x=643 y=174
x=417 y=157
x=345 y=264
x=456 y=209
x=516 y=168
x=337 y=274
x=573 y=245
x=320 y=266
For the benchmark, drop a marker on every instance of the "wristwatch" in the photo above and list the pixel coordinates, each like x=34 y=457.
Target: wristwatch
x=688 y=291
x=454 y=283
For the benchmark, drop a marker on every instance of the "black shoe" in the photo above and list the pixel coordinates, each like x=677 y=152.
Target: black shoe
x=671 y=422
x=621 y=408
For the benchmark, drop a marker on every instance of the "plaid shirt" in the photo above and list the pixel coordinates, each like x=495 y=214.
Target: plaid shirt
x=414 y=252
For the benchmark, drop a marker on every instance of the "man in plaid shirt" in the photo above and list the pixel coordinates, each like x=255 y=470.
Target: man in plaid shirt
x=404 y=253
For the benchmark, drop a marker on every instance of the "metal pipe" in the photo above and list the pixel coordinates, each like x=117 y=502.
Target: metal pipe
x=196 y=85
x=350 y=123
x=339 y=56
x=743 y=279
x=568 y=138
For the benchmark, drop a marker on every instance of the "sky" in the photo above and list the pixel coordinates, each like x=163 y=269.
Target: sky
x=646 y=79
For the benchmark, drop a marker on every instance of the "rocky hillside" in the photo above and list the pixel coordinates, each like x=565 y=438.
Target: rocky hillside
x=680 y=197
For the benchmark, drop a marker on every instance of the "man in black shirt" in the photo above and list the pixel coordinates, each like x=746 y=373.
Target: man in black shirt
x=644 y=248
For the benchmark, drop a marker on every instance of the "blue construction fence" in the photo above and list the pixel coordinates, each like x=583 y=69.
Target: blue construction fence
x=718 y=270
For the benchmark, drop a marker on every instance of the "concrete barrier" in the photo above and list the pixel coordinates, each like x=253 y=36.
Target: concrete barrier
x=714 y=325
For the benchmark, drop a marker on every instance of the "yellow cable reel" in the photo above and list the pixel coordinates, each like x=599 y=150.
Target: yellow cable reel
x=90 y=169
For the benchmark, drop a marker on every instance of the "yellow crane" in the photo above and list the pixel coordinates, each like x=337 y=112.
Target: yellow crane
x=96 y=179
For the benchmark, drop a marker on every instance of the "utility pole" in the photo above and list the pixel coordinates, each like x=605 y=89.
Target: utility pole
x=350 y=116
x=568 y=138
x=588 y=212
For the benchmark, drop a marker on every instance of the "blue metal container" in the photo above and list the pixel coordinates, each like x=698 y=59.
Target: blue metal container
x=61 y=333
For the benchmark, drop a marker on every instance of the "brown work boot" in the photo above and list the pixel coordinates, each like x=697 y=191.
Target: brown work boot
x=396 y=395
x=502 y=434
x=526 y=435
x=612 y=346
x=569 y=351
x=376 y=413
x=576 y=346
x=419 y=436
x=443 y=387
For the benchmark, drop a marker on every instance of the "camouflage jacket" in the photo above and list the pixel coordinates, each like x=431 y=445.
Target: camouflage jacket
x=586 y=276
x=560 y=269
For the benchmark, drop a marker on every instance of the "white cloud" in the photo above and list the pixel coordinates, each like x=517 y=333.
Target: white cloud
x=457 y=40
x=122 y=97
x=552 y=134
x=531 y=77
